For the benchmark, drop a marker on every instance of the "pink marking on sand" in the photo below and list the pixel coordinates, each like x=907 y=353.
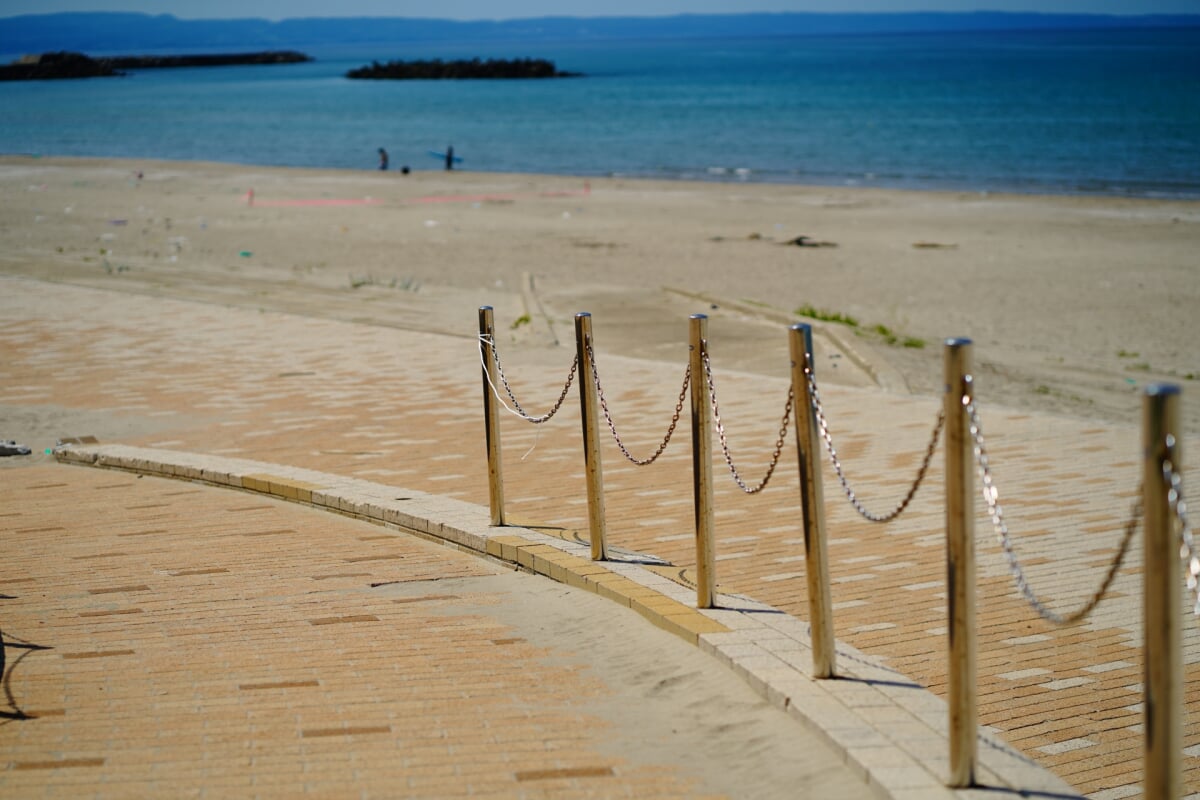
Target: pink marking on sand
x=481 y=198
x=462 y=198
x=426 y=200
x=363 y=201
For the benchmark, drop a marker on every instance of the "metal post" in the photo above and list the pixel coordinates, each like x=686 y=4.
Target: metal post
x=702 y=489
x=960 y=564
x=591 y=434
x=812 y=495
x=491 y=415
x=1160 y=597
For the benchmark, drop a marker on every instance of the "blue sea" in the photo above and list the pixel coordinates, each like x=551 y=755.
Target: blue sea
x=1093 y=112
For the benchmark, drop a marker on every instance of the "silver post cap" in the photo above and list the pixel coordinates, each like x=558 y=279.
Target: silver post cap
x=1162 y=390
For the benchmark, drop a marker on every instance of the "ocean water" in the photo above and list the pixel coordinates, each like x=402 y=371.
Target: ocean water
x=1103 y=112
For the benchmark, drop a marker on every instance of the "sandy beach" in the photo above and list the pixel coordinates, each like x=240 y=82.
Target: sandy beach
x=1072 y=302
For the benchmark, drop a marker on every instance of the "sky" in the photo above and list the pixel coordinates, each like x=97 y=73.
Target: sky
x=511 y=9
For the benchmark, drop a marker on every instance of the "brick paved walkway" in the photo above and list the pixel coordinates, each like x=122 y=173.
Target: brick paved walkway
x=170 y=639
x=403 y=409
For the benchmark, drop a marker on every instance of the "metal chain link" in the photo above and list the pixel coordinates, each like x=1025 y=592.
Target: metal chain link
x=992 y=497
x=1187 y=550
x=641 y=462
x=815 y=396
x=783 y=428
x=504 y=380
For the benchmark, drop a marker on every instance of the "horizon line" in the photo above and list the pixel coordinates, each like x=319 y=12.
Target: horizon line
x=909 y=13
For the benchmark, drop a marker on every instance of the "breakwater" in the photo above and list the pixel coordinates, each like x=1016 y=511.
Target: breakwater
x=66 y=65
x=436 y=69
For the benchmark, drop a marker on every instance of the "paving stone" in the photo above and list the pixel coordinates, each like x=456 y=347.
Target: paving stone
x=1085 y=486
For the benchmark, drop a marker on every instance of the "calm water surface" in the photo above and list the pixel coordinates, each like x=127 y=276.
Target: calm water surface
x=1092 y=112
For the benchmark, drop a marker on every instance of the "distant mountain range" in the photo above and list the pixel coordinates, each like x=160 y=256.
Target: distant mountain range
x=122 y=32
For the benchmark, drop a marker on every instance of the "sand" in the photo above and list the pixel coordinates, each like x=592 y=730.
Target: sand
x=1072 y=302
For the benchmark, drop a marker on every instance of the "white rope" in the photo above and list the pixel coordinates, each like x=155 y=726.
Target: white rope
x=487 y=375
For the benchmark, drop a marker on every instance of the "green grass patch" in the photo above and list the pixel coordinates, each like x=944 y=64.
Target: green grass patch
x=886 y=334
x=812 y=312
x=889 y=336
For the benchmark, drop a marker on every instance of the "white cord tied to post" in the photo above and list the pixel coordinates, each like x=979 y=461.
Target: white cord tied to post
x=518 y=411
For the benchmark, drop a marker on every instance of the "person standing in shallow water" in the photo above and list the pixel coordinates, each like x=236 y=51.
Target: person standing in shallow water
x=449 y=157
x=383 y=159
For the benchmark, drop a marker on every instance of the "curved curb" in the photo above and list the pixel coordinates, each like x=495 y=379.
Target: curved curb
x=892 y=731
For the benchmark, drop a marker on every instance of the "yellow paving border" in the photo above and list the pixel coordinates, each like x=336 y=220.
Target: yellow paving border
x=890 y=729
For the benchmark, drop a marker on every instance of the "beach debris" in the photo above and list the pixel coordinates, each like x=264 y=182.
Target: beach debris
x=246 y=253
x=934 y=246
x=808 y=241
x=118 y=222
x=11 y=448
x=798 y=241
x=396 y=282
x=77 y=440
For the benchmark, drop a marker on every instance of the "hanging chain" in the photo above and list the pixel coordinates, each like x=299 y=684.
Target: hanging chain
x=992 y=497
x=1187 y=550
x=783 y=427
x=837 y=464
x=520 y=412
x=641 y=462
